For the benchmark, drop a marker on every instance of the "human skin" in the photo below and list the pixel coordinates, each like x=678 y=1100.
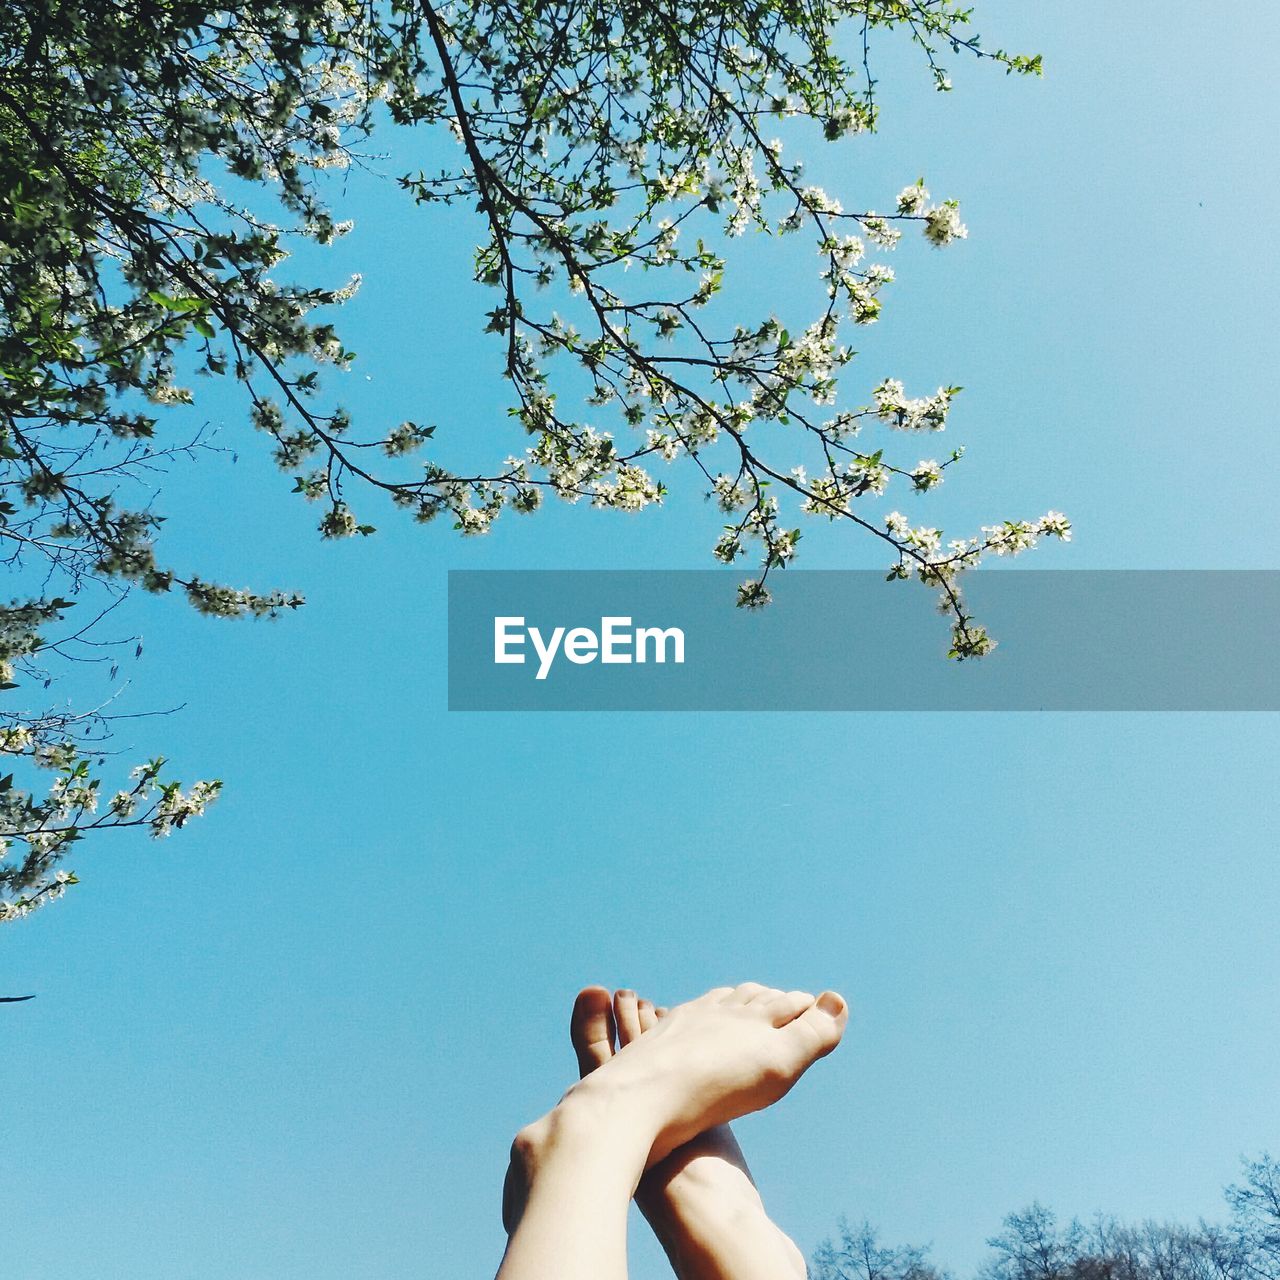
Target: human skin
x=732 y=1051
x=701 y=1201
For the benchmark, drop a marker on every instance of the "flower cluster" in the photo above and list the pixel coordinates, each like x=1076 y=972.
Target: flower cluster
x=921 y=554
x=924 y=413
x=159 y=174
x=942 y=222
x=38 y=831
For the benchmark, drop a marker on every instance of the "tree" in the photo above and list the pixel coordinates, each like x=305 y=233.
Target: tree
x=859 y=1255
x=1033 y=1245
x=160 y=157
x=1255 y=1205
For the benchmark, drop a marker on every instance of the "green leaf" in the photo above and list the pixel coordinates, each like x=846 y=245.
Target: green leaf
x=175 y=304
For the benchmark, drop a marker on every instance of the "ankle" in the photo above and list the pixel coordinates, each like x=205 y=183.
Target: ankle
x=708 y=1174
x=585 y=1123
x=699 y=1200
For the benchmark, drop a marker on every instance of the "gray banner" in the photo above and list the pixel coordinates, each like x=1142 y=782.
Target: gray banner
x=1069 y=640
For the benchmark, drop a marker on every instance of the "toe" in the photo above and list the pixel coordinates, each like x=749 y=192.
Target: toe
x=746 y=992
x=591 y=1028
x=717 y=995
x=818 y=1029
x=626 y=1013
x=784 y=1006
x=648 y=1015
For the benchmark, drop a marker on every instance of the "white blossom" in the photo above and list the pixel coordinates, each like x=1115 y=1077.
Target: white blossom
x=943 y=225
x=912 y=199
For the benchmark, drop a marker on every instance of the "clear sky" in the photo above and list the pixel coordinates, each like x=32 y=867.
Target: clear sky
x=295 y=1040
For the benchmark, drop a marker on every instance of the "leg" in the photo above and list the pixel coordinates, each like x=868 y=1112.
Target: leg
x=706 y=1212
x=572 y=1177
x=701 y=1201
x=732 y=1051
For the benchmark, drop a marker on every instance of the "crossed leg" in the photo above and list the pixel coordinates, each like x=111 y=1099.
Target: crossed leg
x=730 y=1052
x=701 y=1201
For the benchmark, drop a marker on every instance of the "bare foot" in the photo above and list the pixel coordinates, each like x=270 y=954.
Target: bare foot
x=701 y=1201
x=599 y=1023
x=730 y=1052
x=573 y=1172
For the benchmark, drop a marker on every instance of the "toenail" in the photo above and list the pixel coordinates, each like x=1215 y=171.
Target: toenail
x=830 y=1003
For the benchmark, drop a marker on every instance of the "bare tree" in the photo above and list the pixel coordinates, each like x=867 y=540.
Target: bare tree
x=1034 y=1245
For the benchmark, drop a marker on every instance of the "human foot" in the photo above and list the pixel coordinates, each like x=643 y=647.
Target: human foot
x=701 y=1201
x=730 y=1052
x=601 y=1025
x=727 y=1053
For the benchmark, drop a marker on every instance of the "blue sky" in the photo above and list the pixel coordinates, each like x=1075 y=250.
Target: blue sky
x=295 y=1041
